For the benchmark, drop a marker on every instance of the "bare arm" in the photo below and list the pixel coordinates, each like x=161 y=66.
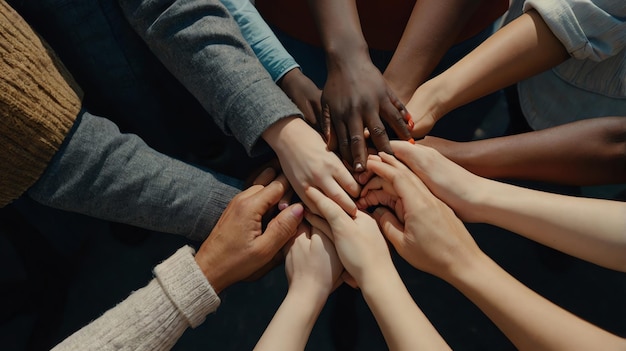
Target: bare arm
x=364 y=253
x=591 y=229
x=426 y=232
x=519 y=50
x=432 y=29
x=585 y=152
x=313 y=270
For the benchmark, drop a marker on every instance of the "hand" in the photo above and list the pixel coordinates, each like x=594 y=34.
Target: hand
x=307 y=163
x=425 y=108
x=461 y=190
x=237 y=247
x=356 y=96
x=361 y=247
x=427 y=233
x=304 y=93
x=312 y=264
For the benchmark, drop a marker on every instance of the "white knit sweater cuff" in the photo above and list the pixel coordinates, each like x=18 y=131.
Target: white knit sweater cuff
x=186 y=286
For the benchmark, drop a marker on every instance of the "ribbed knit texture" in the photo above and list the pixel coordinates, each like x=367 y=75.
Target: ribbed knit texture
x=39 y=102
x=154 y=317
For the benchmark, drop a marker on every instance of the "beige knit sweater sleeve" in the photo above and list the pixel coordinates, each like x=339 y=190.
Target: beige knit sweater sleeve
x=39 y=102
x=154 y=317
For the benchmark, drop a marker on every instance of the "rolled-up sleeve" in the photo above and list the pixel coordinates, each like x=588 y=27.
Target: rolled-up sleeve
x=594 y=30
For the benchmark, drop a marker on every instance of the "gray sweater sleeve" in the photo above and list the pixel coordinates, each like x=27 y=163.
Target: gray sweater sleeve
x=154 y=317
x=200 y=43
x=103 y=173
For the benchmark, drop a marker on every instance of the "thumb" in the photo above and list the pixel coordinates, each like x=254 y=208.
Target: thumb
x=281 y=228
x=389 y=224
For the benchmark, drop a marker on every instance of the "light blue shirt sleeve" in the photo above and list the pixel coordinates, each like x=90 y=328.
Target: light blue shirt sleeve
x=274 y=57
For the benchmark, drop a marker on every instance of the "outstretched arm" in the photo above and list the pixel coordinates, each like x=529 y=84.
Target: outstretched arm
x=586 y=152
x=365 y=255
x=434 y=26
x=427 y=233
x=591 y=229
x=519 y=50
x=185 y=287
x=355 y=92
x=313 y=270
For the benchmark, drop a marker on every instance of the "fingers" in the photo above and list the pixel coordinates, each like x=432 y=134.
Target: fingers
x=281 y=228
x=265 y=177
x=328 y=208
x=377 y=198
x=395 y=114
x=265 y=198
x=285 y=200
x=358 y=149
x=390 y=225
x=320 y=223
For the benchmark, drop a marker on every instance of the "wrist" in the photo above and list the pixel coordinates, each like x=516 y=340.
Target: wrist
x=342 y=56
x=311 y=294
x=287 y=132
x=213 y=269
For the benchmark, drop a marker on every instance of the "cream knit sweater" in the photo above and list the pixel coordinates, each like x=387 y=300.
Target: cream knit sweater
x=154 y=317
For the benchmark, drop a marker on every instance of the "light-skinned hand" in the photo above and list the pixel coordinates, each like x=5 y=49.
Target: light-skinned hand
x=360 y=245
x=426 y=233
x=307 y=163
x=311 y=263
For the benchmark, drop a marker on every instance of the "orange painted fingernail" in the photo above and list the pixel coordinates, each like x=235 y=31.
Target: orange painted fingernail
x=410 y=124
x=412 y=141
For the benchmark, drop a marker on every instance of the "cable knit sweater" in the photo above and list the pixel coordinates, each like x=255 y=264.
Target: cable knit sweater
x=154 y=317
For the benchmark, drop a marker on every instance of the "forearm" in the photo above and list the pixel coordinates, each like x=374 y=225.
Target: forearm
x=403 y=324
x=527 y=319
x=154 y=317
x=587 y=152
x=432 y=29
x=200 y=43
x=274 y=57
x=292 y=323
x=519 y=50
x=103 y=173
x=590 y=229
x=340 y=30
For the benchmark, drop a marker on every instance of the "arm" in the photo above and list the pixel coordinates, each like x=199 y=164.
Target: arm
x=200 y=43
x=98 y=168
x=426 y=232
x=284 y=70
x=586 y=152
x=313 y=270
x=355 y=92
x=432 y=29
x=274 y=57
x=364 y=253
x=519 y=50
x=185 y=288
x=590 y=229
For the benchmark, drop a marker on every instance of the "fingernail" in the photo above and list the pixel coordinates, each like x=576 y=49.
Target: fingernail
x=412 y=141
x=410 y=124
x=283 y=205
x=297 y=210
x=358 y=167
x=407 y=116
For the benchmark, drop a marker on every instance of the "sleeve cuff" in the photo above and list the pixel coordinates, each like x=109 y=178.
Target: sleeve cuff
x=186 y=286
